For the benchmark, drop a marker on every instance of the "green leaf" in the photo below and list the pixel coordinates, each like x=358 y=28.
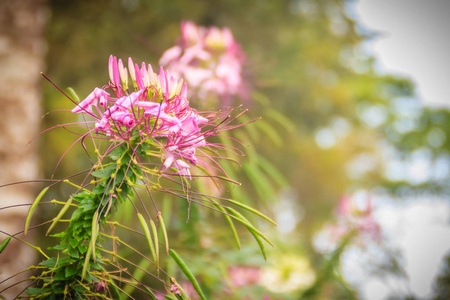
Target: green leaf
x=4 y=244
x=120 y=175
x=252 y=210
x=73 y=94
x=230 y=222
x=163 y=227
x=270 y=132
x=116 y=153
x=74 y=253
x=73 y=242
x=86 y=261
x=104 y=173
x=33 y=207
x=251 y=129
x=210 y=176
x=155 y=237
x=260 y=243
x=99 y=189
x=70 y=270
x=272 y=171
x=59 y=274
x=58 y=235
x=60 y=214
x=187 y=272
x=147 y=235
x=94 y=233
x=262 y=185
x=58 y=247
x=82 y=248
x=246 y=223
x=49 y=263
x=138 y=274
x=282 y=119
x=256 y=234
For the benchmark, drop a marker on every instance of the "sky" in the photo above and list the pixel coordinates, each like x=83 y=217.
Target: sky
x=413 y=41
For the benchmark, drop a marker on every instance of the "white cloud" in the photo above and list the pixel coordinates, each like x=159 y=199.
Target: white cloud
x=419 y=229
x=413 y=42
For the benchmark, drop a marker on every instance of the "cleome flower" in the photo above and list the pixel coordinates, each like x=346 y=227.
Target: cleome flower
x=352 y=217
x=210 y=60
x=157 y=112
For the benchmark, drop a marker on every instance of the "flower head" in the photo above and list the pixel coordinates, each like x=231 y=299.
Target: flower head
x=157 y=112
x=359 y=218
x=353 y=218
x=210 y=60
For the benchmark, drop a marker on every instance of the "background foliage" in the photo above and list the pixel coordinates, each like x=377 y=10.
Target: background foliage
x=331 y=122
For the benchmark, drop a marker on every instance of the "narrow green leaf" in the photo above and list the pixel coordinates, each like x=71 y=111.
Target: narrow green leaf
x=86 y=261
x=251 y=129
x=210 y=176
x=138 y=274
x=260 y=243
x=262 y=185
x=230 y=222
x=261 y=98
x=272 y=171
x=229 y=180
x=228 y=142
x=253 y=211
x=116 y=289
x=163 y=227
x=94 y=233
x=60 y=215
x=250 y=152
x=270 y=132
x=33 y=207
x=74 y=95
x=4 y=244
x=256 y=234
x=147 y=235
x=155 y=237
x=246 y=223
x=282 y=119
x=187 y=272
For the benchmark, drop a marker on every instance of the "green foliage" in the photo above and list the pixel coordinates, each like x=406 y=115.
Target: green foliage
x=187 y=272
x=310 y=73
x=4 y=244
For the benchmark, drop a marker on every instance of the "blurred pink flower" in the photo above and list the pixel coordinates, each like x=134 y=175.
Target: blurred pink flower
x=210 y=60
x=356 y=218
x=244 y=275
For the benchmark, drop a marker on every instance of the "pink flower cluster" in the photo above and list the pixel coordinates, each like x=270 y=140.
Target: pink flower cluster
x=210 y=61
x=158 y=111
x=352 y=217
x=241 y=276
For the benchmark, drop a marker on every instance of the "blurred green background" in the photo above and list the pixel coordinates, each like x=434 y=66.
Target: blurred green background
x=332 y=126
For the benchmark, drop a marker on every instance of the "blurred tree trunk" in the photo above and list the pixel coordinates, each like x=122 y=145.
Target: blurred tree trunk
x=22 y=51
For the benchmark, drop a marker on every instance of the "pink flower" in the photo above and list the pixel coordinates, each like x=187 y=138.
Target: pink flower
x=359 y=218
x=125 y=118
x=92 y=99
x=174 y=289
x=157 y=111
x=210 y=61
x=244 y=275
x=351 y=217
